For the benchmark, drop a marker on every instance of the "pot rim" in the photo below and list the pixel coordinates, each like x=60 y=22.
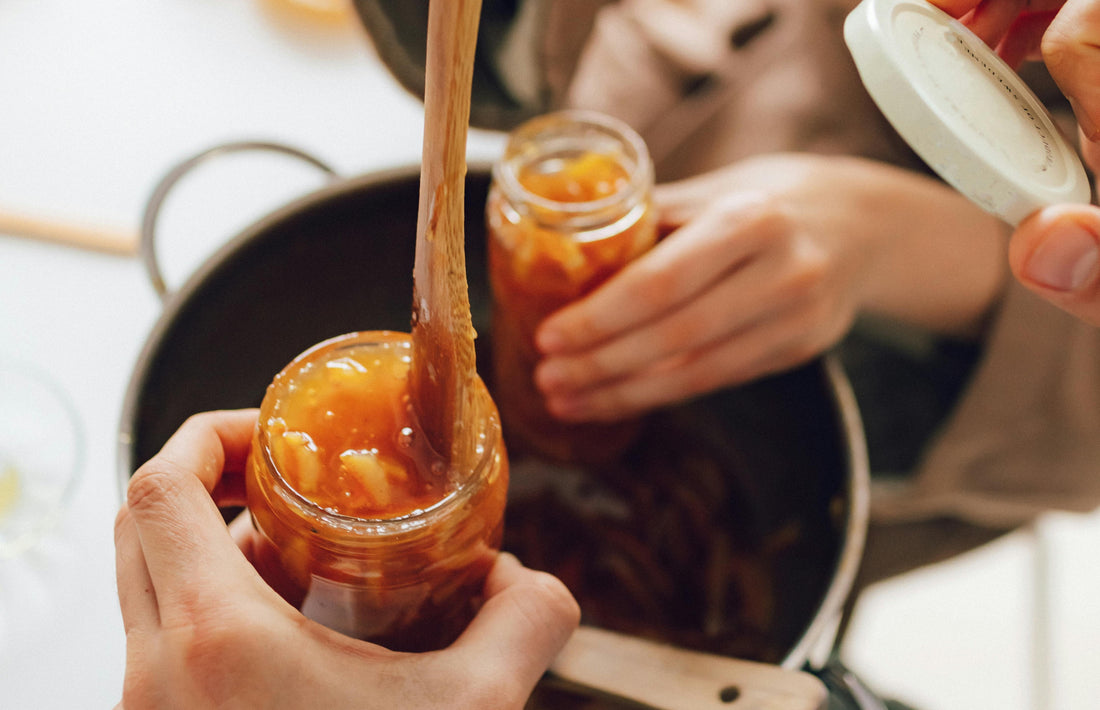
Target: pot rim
x=825 y=624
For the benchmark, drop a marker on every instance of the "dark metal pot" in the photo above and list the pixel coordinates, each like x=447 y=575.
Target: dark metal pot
x=340 y=259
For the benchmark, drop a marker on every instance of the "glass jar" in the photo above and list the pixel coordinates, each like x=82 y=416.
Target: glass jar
x=361 y=525
x=568 y=207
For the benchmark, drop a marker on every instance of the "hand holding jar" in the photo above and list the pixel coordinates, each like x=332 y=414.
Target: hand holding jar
x=203 y=629
x=767 y=265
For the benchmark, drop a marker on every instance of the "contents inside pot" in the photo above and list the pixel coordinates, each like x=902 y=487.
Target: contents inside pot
x=652 y=546
x=670 y=542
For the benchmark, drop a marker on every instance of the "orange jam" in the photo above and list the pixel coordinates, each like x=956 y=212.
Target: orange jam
x=568 y=208
x=361 y=524
x=542 y=259
x=347 y=439
x=585 y=177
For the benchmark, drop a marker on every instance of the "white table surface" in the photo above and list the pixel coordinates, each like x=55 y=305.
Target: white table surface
x=98 y=98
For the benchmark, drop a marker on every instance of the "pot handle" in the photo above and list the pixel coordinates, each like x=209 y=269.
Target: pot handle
x=657 y=675
x=846 y=690
x=147 y=245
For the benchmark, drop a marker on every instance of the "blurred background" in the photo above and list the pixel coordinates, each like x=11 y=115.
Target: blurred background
x=101 y=98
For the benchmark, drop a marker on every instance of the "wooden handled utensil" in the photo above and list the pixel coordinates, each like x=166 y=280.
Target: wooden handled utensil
x=443 y=362
x=94 y=238
x=655 y=675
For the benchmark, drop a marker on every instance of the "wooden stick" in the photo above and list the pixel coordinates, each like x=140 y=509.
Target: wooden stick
x=98 y=239
x=443 y=361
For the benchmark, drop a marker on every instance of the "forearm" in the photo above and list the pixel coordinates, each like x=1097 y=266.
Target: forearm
x=939 y=260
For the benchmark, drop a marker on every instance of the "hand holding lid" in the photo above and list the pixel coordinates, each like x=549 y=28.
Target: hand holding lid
x=963 y=109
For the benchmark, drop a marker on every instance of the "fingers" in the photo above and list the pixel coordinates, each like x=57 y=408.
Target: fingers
x=183 y=537
x=1056 y=254
x=674 y=271
x=1024 y=39
x=748 y=295
x=210 y=445
x=765 y=348
x=525 y=621
x=1071 y=51
x=1015 y=27
x=991 y=20
x=956 y=8
x=136 y=598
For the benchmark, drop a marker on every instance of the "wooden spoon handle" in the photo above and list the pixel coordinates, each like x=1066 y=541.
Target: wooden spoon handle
x=95 y=238
x=444 y=367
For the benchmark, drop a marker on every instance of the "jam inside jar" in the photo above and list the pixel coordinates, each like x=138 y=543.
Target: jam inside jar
x=568 y=207
x=361 y=524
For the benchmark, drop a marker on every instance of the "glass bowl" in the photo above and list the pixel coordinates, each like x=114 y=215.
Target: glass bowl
x=41 y=455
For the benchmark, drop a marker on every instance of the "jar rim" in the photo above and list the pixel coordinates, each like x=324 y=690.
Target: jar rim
x=489 y=432
x=640 y=179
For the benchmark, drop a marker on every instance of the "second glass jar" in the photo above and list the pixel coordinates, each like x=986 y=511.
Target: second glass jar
x=568 y=207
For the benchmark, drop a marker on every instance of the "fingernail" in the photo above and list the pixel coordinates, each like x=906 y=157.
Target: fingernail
x=1065 y=260
x=549 y=340
x=566 y=408
x=550 y=375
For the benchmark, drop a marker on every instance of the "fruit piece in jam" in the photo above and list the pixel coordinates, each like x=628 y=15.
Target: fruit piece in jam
x=585 y=177
x=347 y=440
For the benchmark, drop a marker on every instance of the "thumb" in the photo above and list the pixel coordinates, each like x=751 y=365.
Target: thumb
x=525 y=621
x=1056 y=253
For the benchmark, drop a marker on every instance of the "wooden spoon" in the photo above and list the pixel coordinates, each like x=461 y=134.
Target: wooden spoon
x=443 y=362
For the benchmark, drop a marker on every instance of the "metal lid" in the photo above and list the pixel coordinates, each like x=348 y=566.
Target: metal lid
x=962 y=109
